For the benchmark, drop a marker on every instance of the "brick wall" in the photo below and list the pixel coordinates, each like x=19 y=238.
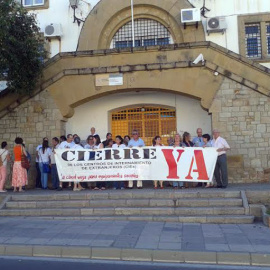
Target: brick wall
x=243 y=117
x=33 y=120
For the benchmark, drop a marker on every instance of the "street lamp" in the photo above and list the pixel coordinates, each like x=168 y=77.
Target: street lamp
x=74 y=4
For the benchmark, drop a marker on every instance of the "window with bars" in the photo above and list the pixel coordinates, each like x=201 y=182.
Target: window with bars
x=29 y=3
x=147 y=33
x=149 y=121
x=268 y=37
x=253 y=40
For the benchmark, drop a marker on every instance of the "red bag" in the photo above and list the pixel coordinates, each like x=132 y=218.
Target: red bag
x=24 y=161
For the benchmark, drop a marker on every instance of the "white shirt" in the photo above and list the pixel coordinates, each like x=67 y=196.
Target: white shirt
x=88 y=146
x=65 y=144
x=115 y=145
x=97 y=146
x=44 y=157
x=76 y=146
x=52 y=154
x=40 y=146
x=220 y=143
x=3 y=154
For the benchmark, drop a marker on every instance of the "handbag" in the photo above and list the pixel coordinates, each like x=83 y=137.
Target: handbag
x=24 y=161
x=45 y=166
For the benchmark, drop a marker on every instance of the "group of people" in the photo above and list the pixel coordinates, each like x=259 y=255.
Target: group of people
x=45 y=158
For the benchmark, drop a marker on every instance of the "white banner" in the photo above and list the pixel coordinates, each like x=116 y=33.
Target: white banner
x=147 y=163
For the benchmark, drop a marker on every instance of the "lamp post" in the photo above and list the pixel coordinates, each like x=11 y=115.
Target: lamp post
x=74 y=4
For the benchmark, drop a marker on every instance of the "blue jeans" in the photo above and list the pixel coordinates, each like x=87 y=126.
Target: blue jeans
x=44 y=176
x=118 y=184
x=55 y=178
x=178 y=184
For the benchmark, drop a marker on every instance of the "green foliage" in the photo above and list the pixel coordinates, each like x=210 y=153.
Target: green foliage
x=21 y=49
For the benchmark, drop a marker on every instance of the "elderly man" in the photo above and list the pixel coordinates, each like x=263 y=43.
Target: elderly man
x=136 y=141
x=221 y=173
x=198 y=141
x=93 y=131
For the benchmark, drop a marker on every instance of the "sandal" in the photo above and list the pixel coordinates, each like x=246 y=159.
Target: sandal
x=96 y=188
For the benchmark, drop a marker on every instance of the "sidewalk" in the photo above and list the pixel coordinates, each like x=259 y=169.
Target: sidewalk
x=136 y=240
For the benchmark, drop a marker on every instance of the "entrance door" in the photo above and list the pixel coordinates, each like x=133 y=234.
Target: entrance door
x=149 y=121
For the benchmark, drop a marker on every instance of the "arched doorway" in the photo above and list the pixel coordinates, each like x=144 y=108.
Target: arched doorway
x=150 y=121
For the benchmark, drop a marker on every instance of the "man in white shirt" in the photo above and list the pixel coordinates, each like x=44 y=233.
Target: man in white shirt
x=221 y=172
x=93 y=131
x=136 y=141
x=68 y=143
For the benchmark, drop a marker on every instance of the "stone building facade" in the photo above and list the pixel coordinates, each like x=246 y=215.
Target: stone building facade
x=227 y=91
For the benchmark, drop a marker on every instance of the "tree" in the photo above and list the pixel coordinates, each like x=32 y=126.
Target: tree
x=21 y=49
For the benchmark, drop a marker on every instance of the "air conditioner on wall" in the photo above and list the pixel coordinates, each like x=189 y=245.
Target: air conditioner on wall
x=190 y=15
x=216 y=24
x=53 y=30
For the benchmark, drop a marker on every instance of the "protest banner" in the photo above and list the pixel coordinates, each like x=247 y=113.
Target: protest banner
x=146 y=163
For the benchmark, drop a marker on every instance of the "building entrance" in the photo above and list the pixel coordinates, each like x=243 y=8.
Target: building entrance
x=149 y=121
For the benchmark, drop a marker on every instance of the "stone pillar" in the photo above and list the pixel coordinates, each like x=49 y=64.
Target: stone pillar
x=243 y=117
x=33 y=120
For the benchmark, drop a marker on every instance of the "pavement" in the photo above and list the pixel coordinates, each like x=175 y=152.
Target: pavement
x=24 y=263
x=232 y=244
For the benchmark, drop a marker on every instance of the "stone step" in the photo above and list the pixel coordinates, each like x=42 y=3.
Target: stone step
x=200 y=202
x=129 y=194
x=226 y=219
x=126 y=211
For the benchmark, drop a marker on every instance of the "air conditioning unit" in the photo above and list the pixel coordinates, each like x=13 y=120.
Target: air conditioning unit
x=53 y=30
x=190 y=15
x=216 y=24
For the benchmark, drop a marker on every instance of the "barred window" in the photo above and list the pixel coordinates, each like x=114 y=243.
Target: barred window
x=253 y=40
x=28 y=3
x=147 y=33
x=268 y=37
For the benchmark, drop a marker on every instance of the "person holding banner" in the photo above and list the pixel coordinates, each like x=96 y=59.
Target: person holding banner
x=119 y=143
x=157 y=143
x=99 y=145
x=89 y=142
x=177 y=143
x=221 y=172
x=77 y=146
x=136 y=141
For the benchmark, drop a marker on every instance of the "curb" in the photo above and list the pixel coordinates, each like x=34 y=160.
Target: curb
x=143 y=255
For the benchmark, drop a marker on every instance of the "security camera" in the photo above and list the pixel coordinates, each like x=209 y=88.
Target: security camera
x=199 y=59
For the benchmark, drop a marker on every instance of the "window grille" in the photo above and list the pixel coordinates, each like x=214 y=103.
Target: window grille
x=147 y=33
x=29 y=3
x=149 y=121
x=253 y=40
x=268 y=37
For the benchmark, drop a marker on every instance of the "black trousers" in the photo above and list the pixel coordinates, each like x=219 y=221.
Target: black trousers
x=221 y=172
x=38 y=177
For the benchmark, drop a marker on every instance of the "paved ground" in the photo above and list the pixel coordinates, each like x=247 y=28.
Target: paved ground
x=21 y=263
x=136 y=234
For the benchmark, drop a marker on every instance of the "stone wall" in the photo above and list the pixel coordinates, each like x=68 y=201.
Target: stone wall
x=243 y=117
x=33 y=120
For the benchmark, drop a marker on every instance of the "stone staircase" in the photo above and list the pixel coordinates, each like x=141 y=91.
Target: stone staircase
x=192 y=206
